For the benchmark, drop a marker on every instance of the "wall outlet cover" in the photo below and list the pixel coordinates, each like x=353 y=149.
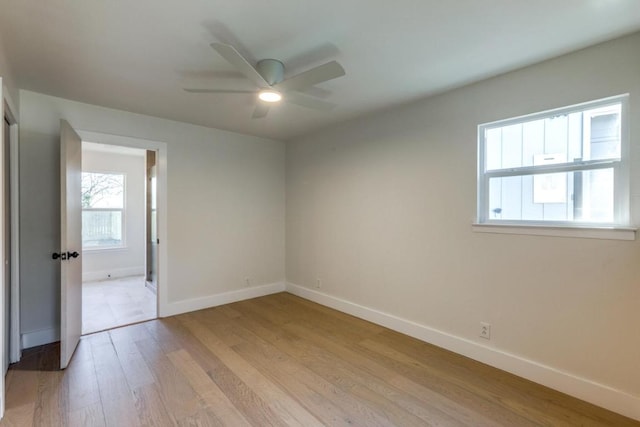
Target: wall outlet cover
x=485 y=330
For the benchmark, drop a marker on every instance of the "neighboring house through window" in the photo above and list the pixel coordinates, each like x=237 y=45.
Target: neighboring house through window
x=566 y=167
x=102 y=210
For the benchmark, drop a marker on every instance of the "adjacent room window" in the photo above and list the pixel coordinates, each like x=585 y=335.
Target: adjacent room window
x=566 y=167
x=102 y=210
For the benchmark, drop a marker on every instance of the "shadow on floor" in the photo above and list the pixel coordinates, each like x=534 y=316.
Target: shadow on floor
x=41 y=358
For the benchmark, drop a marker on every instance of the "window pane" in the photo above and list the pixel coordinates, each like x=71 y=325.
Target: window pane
x=604 y=133
x=584 y=135
x=585 y=196
x=101 y=229
x=579 y=149
x=493 y=142
x=523 y=143
x=102 y=190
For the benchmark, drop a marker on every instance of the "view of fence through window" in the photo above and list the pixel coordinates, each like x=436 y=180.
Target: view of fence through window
x=102 y=210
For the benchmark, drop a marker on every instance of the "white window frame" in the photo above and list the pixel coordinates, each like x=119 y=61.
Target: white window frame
x=123 y=245
x=621 y=179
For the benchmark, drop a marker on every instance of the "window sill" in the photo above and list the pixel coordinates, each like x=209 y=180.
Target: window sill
x=105 y=249
x=608 y=233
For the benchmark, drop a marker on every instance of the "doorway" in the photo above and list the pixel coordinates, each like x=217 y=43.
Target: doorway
x=116 y=221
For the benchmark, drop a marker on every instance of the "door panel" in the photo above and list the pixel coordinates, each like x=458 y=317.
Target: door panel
x=71 y=242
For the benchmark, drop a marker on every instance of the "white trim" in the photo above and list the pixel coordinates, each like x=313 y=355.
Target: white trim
x=8 y=108
x=194 y=304
x=2 y=293
x=581 y=388
x=541 y=230
x=163 y=237
x=585 y=165
x=99 y=249
x=602 y=102
x=15 y=349
x=108 y=249
x=91 y=276
x=40 y=337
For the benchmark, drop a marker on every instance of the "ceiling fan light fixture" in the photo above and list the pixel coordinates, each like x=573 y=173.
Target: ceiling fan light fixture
x=270 y=96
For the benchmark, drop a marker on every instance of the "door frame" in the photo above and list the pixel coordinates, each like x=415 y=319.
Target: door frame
x=160 y=148
x=8 y=110
x=15 y=345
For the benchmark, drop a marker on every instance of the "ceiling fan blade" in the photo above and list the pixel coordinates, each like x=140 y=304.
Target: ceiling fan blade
x=319 y=74
x=232 y=56
x=195 y=90
x=309 y=102
x=261 y=110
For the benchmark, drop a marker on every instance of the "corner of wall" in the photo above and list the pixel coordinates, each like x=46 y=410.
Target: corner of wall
x=11 y=93
x=193 y=304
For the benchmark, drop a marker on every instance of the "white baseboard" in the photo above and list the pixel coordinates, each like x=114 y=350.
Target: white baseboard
x=46 y=336
x=92 y=276
x=40 y=337
x=194 y=304
x=582 y=388
x=152 y=286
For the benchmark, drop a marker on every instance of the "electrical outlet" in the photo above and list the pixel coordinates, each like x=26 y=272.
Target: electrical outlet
x=247 y=281
x=485 y=330
x=318 y=283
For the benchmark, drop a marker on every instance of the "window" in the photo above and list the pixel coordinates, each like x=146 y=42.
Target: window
x=566 y=167
x=102 y=210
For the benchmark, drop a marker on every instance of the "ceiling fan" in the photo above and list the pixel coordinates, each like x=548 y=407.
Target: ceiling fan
x=268 y=76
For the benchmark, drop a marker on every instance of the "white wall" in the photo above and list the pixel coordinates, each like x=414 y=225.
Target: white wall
x=225 y=207
x=129 y=260
x=8 y=80
x=381 y=209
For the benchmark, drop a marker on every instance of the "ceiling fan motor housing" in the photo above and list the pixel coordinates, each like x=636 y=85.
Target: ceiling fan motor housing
x=271 y=70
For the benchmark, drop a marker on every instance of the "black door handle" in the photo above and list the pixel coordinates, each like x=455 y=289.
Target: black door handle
x=65 y=255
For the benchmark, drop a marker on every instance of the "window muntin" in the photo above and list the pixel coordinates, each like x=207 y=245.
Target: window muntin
x=102 y=210
x=563 y=167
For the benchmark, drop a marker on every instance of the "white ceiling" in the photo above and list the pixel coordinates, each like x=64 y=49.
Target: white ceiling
x=137 y=55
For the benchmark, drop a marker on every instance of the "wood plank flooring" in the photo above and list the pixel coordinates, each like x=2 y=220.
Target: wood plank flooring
x=277 y=360
x=107 y=304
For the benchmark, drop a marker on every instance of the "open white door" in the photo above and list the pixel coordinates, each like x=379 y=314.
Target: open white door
x=71 y=242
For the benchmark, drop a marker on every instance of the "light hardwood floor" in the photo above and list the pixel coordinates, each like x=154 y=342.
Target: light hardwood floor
x=107 y=304
x=276 y=360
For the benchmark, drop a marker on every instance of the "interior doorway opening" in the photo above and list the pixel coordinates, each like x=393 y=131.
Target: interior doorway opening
x=118 y=221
